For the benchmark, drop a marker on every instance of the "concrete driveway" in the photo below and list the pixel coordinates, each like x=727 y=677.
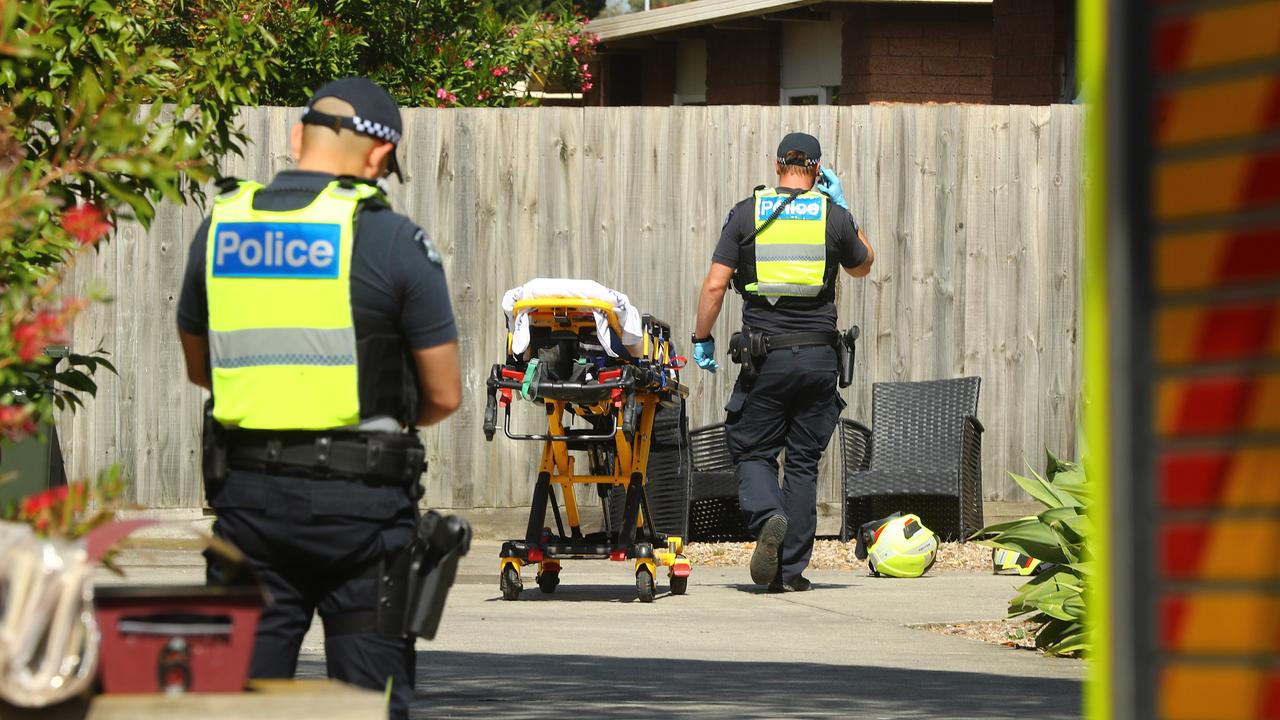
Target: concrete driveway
x=724 y=650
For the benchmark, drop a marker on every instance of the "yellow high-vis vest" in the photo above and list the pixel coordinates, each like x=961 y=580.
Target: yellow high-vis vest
x=791 y=253
x=282 y=341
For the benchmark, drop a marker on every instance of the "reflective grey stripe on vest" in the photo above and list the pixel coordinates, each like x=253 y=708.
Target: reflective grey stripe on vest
x=791 y=252
x=282 y=346
x=788 y=289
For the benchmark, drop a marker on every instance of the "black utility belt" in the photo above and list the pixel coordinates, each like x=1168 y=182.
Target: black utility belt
x=745 y=346
x=374 y=458
x=804 y=339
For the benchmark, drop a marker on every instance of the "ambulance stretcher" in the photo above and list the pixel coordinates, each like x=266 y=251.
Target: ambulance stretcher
x=600 y=405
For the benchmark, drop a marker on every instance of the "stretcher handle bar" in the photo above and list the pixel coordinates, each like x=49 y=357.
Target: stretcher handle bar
x=610 y=385
x=652 y=321
x=506 y=428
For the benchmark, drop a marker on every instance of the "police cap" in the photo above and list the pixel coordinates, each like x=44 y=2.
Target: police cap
x=800 y=142
x=376 y=113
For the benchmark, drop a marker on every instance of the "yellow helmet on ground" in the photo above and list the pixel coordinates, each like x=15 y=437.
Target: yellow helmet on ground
x=897 y=546
x=1003 y=561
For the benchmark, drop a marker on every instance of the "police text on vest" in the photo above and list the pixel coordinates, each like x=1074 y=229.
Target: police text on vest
x=798 y=209
x=276 y=250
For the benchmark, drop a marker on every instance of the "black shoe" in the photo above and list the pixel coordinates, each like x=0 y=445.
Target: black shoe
x=800 y=584
x=764 y=561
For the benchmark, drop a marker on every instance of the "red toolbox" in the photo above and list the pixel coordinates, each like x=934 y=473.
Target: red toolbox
x=176 y=638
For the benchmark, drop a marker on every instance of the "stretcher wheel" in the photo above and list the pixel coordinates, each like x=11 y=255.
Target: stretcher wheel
x=645 y=585
x=679 y=584
x=509 y=583
x=548 y=582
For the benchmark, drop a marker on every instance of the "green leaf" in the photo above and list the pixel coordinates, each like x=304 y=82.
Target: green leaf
x=1043 y=490
x=1035 y=539
x=77 y=380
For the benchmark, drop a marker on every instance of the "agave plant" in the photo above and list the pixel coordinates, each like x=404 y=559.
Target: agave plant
x=1058 y=538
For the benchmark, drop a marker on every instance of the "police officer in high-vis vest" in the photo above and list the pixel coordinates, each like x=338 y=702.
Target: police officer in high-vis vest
x=782 y=249
x=321 y=322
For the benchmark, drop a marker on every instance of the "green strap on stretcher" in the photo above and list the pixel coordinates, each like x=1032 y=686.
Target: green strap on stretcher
x=529 y=372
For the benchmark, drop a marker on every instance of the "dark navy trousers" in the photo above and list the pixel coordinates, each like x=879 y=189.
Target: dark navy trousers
x=311 y=543
x=792 y=405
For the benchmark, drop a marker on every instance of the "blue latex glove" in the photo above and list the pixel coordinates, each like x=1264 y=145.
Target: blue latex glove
x=829 y=183
x=704 y=353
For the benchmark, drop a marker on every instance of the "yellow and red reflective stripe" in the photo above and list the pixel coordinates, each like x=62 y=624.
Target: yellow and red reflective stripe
x=1210 y=479
x=1218 y=405
x=1207 y=113
x=1211 y=186
x=1210 y=692
x=1218 y=37
x=1231 y=332
x=1198 y=261
x=1216 y=622
x=1235 y=549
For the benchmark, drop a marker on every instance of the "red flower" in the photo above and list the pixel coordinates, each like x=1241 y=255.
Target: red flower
x=33 y=505
x=86 y=223
x=16 y=422
x=28 y=338
x=48 y=328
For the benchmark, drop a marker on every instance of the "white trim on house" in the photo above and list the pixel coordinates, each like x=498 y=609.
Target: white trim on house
x=822 y=93
x=705 y=12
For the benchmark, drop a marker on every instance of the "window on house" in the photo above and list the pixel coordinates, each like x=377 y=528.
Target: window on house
x=809 y=96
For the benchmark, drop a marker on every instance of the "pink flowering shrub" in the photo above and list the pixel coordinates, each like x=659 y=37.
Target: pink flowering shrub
x=441 y=53
x=97 y=125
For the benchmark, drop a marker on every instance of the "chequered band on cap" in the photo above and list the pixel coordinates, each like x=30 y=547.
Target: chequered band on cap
x=808 y=162
x=355 y=123
x=375 y=129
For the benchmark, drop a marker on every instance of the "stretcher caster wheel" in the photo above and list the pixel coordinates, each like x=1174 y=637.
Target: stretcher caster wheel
x=510 y=584
x=645 y=585
x=679 y=584
x=548 y=582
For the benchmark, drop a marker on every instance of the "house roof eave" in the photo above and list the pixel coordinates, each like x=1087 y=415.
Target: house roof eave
x=706 y=12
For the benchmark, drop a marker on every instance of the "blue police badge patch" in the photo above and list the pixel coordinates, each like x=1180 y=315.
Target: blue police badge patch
x=430 y=247
x=276 y=250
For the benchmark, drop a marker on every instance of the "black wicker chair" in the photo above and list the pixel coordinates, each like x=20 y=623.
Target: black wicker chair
x=667 y=485
x=926 y=457
x=714 y=513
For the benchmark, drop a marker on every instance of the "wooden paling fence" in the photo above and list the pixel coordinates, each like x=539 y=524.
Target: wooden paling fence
x=974 y=212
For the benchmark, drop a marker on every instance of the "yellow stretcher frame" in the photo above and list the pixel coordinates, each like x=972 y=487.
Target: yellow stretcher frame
x=631 y=443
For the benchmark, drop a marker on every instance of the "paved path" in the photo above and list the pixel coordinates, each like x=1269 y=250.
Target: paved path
x=724 y=650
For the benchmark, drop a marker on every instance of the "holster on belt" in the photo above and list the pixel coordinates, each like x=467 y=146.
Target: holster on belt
x=845 y=355
x=214 y=445
x=441 y=541
x=748 y=349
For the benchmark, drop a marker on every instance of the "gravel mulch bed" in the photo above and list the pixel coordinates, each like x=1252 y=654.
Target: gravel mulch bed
x=835 y=555
x=1014 y=633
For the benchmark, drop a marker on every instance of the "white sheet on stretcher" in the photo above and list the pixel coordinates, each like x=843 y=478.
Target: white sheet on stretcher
x=628 y=316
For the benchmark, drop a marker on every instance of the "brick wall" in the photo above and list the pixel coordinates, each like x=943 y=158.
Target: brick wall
x=743 y=66
x=926 y=53
x=1033 y=51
